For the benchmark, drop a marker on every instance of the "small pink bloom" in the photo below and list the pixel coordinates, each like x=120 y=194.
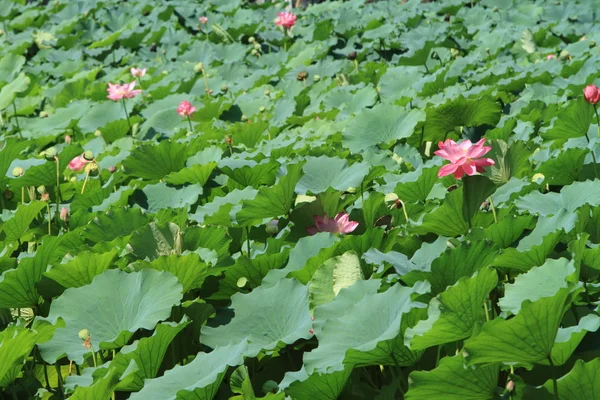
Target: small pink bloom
x=591 y=94
x=311 y=331
x=64 y=214
x=464 y=157
x=285 y=19
x=185 y=109
x=68 y=139
x=550 y=56
x=125 y=91
x=203 y=19
x=340 y=224
x=78 y=163
x=112 y=169
x=138 y=73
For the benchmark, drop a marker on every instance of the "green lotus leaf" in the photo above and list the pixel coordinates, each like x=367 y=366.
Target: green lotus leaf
x=15 y=344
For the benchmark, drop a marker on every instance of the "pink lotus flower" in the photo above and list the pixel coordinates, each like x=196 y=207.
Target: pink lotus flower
x=340 y=224
x=550 y=56
x=64 y=214
x=68 y=139
x=125 y=91
x=285 y=19
x=464 y=157
x=591 y=94
x=78 y=163
x=185 y=109
x=138 y=73
x=203 y=20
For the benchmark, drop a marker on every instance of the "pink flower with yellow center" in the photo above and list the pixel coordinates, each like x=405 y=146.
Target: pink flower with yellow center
x=185 y=109
x=465 y=158
x=137 y=73
x=125 y=91
x=340 y=224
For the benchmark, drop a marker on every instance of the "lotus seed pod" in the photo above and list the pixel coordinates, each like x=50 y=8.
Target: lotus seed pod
x=272 y=227
x=224 y=88
x=41 y=189
x=89 y=167
x=18 y=171
x=317 y=78
x=45 y=197
x=44 y=114
x=257 y=46
x=267 y=92
x=84 y=334
x=98 y=133
x=241 y=282
x=244 y=118
x=261 y=109
x=251 y=39
x=351 y=56
x=254 y=52
x=51 y=152
x=88 y=155
x=198 y=67
x=302 y=76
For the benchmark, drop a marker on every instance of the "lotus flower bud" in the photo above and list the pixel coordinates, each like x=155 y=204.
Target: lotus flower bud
x=88 y=155
x=254 y=52
x=84 y=334
x=203 y=20
x=112 y=169
x=45 y=197
x=591 y=94
x=198 y=67
x=510 y=385
x=257 y=46
x=68 y=139
x=261 y=109
x=272 y=227
x=97 y=133
x=251 y=39
x=64 y=214
x=267 y=92
x=224 y=88
x=351 y=56
x=244 y=118
x=317 y=78
x=18 y=171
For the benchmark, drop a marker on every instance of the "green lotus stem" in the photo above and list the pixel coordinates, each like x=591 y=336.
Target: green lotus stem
x=49 y=218
x=437 y=357
x=48 y=387
x=13 y=392
x=465 y=200
x=404 y=209
x=17 y=120
x=493 y=210
x=190 y=122
x=2 y=205
x=205 y=81
x=554 y=380
x=93 y=355
x=127 y=115
x=487 y=311
x=59 y=378
x=87 y=175
x=356 y=65
x=139 y=81
x=248 y=240
x=22 y=194
x=58 y=195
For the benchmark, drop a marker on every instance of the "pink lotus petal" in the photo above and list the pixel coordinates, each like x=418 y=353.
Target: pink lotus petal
x=447 y=170
x=339 y=224
x=285 y=19
x=463 y=157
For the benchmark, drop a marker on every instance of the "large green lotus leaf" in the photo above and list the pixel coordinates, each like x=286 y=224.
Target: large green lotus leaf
x=526 y=338
x=155 y=240
x=307 y=248
x=538 y=282
x=161 y=196
x=381 y=124
x=10 y=65
x=222 y=209
x=567 y=339
x=18 y=287
x=266 y=318
x=402 y=264
x=581 y=383
x=454 y=314
x=102 y=388
x=198 y=174
x=250 y=271
x=416 y=185
x=271 y=202
x=189 y=269
x=563 y=169
x=571 y=197
x=147 y=353
x=15 y=344
x=476 y=189
x=80 y=270
x=45 y=174
x=155 y=161
x=111 y=308
x=349 y=332
x=322 y=173
x=9 y=92
x=15 y=227
x=301 y=386
x=573 y=121
x=242 y=176
x=534 y=256
x=460 y=112
x=508 y=229
x=198 y=380
x=446 y=220
x=334 y=275
x=115 y=223
x=452 y=381
x=100 y=115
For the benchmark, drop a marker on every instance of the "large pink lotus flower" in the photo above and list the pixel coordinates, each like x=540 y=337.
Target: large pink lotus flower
x=285 y=19
x=185 y=109
x=125 y=91
x=591 y=94
x=340 y=224
x=78 y=163
x=137 y=73
x=464 y=157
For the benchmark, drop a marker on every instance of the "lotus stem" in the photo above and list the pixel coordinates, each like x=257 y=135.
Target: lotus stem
x=49 y=218
x=554 y=380
x=127 y=115
x=17 y=120
x=493 y=209
x=190 y=122
x=87 y=175
x=58 y=195
x=487 y=311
